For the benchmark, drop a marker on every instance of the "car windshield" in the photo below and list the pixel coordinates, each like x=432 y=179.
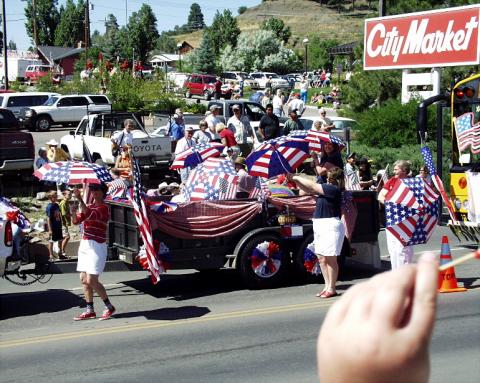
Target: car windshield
x=51 y=100
x=210 y=80
x=272 y=75
x=307 y=124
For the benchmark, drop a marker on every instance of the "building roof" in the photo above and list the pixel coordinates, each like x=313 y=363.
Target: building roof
x=165 y=57
x=52 y=54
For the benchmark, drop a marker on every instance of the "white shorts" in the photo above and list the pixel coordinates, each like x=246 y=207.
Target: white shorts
x=328 y=236
x=91 y=256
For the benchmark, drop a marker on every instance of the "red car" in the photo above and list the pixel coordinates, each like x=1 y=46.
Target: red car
x=203 y=85
x=34 y=72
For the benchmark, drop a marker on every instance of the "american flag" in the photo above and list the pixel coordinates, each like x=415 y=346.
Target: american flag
x=148 y=258
x=260 y=190
x=73 y=173
x=351 y=181
x=411 y=210
x=467 y=133
x=214 y=179
x=437 y=181
x=197 y=154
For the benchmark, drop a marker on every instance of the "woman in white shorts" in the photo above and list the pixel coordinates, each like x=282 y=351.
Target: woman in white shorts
x=328 y=229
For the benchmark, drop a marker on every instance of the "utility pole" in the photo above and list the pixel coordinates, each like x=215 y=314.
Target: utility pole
x=35 y=33
x=87 y=30
x=382 y=8
x=5 y=64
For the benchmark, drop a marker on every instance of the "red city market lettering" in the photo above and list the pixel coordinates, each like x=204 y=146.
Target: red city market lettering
x=418 y=41
x=438 y=38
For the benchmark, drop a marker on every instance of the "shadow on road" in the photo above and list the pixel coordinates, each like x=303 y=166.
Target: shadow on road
x=469 y=283
x=189 y=286
x=175 y=313
x=26 y=304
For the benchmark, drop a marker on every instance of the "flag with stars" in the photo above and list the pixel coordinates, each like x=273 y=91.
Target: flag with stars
x=411 y=210
x=437 y=181
x=148 y=258
x=73 y=173
x=467 y=133
x=214 y=179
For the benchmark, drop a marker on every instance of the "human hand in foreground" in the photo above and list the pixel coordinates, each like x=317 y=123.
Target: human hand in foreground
x=380 y=330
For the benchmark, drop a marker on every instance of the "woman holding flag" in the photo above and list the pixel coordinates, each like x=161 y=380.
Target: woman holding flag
x=399 y=254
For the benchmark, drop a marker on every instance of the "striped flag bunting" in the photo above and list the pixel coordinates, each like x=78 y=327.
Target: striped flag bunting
x=147 y=258
x=277 y=156
x=117 y=189
x=197 y=154
x=73 y=173
x=411 y=210
x=467 y=133
x=437 y=181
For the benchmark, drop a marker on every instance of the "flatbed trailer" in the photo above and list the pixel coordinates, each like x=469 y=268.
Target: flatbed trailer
x=236 y=249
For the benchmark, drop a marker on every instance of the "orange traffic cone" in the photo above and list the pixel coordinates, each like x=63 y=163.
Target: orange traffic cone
x=447 y=282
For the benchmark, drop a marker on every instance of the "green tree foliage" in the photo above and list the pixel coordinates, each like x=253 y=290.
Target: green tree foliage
x=318 y=56
x=202 y=59
x=71 y=28
x=47 y=19
x=195 y=18
x=260 y=50
x=142 y=32
x=224 y=31
x=241 y=10
x=396 y=7
x=278 y=27
x=11 y=45
x=112 y=45
x=166 y=43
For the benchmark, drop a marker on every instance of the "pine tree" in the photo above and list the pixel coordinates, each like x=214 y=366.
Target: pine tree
x=142 y=32
x=46 y=20
x=195 y=18
x=203 y=61
x=70 y=30
x=224 y=31
x=278 y=27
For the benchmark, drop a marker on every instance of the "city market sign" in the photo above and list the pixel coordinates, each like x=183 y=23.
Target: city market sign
x=445 y=37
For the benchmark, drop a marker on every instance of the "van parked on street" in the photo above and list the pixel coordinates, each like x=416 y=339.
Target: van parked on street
x=15 y=102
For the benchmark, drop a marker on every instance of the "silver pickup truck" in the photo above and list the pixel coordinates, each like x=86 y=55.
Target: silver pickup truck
x=93 y=136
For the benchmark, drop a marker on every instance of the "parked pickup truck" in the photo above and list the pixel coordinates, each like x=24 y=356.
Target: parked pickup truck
x=253 y=110
x=191 y=245
x=17 y=150
x=93 y=136
x=64 y=110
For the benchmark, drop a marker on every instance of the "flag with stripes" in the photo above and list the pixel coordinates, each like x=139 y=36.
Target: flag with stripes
x=411 y=210
x=13 y=213
x=261 y=191
x=437 y=181
x=316 y=138
x=117 y=189
x=147 y=258
x=196 y=154
x=352 y=181
x=467 y=133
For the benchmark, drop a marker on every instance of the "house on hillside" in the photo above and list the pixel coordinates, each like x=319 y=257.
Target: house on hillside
x=184 y=47
x=165 y=60
x=65 y=57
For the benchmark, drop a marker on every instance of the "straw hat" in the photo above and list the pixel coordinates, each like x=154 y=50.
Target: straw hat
x=52 y=142
x=240 y=161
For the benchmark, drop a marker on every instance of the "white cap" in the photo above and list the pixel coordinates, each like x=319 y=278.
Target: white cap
x=52 y=142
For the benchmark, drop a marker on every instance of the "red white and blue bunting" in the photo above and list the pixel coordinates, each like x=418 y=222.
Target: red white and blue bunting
x=266 y=259
x=163 y=254
x=310 y=260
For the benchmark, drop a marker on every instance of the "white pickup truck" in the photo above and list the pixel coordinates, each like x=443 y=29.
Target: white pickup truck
x=93 y=137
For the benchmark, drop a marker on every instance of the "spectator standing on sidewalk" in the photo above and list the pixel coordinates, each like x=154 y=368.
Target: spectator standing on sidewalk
x=304 y=89
x=277 y=103
x=92 y=252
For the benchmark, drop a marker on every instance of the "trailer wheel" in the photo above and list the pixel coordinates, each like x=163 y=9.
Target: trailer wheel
x=299 y=259
x=262 y=262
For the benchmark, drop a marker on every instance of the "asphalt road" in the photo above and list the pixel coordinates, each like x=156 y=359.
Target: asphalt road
x=195 y=327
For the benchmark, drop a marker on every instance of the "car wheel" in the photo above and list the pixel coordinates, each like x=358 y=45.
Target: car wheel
x=206 y=95
x=261 y=270
x=43 y=124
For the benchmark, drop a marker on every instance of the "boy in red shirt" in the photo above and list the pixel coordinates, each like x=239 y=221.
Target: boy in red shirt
x=92 y=252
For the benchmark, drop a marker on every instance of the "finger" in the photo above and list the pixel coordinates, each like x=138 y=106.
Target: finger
x=392 y=292
x=425 y=295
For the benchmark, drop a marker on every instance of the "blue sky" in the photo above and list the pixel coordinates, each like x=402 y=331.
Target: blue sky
x=169 y=13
